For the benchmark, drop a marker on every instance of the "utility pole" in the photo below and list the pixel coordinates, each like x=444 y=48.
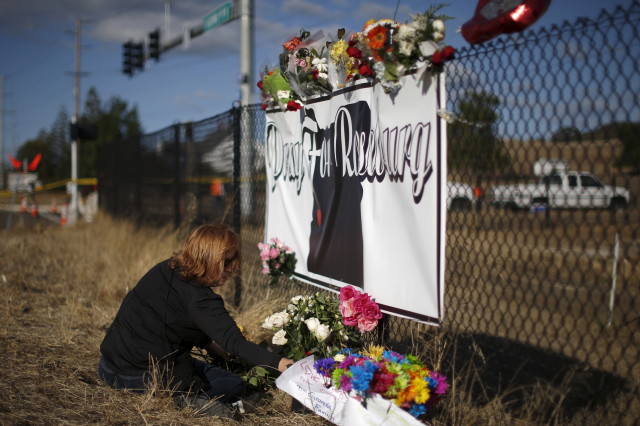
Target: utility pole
x=73 y=211
x=246 y=52
x=246 y=98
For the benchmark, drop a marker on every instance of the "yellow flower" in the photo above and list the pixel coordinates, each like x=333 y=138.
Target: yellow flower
x=422 y=396
x=374 y=351
x=339 y=51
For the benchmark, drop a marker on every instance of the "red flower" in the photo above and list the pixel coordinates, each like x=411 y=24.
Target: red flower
x=292 y=44
x=263 y=106
x=365 y=70
x=314 y=74
x=260 y=84
x=377 y=37
x=354 y=52
x=293 y=106
x=444 y=54
x=448 y=52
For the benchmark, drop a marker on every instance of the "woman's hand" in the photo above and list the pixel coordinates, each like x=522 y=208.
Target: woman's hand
x=284 y=364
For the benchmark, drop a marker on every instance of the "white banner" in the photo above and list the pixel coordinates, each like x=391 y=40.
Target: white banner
x=356 y=186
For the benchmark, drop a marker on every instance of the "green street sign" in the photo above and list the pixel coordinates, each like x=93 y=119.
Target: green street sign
x=221 y=15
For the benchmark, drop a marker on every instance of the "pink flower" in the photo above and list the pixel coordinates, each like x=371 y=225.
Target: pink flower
x=274 y=253
x=347 y=292
x=350 y=321
x=371 y=310
x=347 y=308
x=360 y=301
x=366 y=324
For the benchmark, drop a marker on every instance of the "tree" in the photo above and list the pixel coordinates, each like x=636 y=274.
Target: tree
x=473 y=143
x=115 y=122
x=567 y=134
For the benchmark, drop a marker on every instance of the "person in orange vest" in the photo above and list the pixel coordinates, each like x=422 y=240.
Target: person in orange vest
x=218 y=193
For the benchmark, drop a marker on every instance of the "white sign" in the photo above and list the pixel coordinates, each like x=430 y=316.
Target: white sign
x=356 y=186
x=22 y=182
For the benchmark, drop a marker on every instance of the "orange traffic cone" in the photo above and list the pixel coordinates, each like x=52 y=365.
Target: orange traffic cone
x=34 y=210
x=63 y=215
x=23 y=205
x=54 y=206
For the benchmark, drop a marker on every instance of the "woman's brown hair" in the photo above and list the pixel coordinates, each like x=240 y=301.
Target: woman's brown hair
x=209 y=255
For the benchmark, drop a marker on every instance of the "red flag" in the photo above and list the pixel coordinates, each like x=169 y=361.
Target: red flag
x=15 y=163
x=33 y=165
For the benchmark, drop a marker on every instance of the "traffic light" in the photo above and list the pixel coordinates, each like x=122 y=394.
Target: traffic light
x=154 y=44
x=127 y=58
x=137 y=53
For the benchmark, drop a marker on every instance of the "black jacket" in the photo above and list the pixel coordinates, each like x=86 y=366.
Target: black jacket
x=165 y=317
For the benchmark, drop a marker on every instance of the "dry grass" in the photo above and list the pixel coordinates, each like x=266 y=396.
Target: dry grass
x=61 y=287
x=59 y=291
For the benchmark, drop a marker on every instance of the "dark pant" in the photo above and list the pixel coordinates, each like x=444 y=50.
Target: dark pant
x=223 y=385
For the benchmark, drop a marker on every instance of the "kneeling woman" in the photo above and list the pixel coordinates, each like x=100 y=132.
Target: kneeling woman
x=174 y=308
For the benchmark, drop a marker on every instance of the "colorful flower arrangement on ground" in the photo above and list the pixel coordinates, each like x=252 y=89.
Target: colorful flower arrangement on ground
x=404 y=379
x=277 y=259
x=310 y=325
x=385 y=50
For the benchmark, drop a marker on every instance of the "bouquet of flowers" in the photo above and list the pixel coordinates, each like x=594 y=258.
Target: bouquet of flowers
x=310 y=325
x=385 y=50
x=358 y=309
x=302 y=72
x=404 y=379
x=277 y=259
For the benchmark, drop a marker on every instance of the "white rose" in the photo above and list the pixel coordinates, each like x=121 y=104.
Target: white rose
x=406 y=32
x=438 y=26
x=438 y=36
x=277 y=320
x=279 y=338
x=320 y=64
x=284 y=94
x=312 y=324
x=406 y=48
x=295 y=299
x=322 y=332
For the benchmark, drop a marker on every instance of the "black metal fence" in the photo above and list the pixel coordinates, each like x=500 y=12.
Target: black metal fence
x=542 y=290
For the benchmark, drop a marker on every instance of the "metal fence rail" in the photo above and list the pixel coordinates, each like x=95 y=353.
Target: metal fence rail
x=543 y=300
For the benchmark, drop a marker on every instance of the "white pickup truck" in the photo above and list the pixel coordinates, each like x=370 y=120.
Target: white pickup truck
x=570 y=190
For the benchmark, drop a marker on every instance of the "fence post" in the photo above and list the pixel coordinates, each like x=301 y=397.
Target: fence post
x=237 y=191
x=176 y=176
x=191 y=199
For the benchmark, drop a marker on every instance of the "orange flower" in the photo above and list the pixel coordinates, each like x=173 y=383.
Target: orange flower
x=377 y=37
x=292 y=44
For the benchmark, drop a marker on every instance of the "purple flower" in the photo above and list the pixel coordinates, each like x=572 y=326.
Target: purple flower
x=324 y=366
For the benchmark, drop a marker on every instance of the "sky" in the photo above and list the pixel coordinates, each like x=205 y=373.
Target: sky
x=37 y=51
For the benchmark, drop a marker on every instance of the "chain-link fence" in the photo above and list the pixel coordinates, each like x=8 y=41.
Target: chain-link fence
x=542 y=305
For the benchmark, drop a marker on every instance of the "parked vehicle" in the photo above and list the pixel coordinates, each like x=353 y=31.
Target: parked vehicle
x=460 y=196
x=580 y=190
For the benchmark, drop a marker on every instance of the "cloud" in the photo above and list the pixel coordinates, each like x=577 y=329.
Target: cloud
x=306 y=7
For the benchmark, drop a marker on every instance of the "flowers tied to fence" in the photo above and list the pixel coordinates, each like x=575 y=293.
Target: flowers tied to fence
x=277 y=259
x=385 y=50
x=404 y=379
x=358 y=309
x=310 y=325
